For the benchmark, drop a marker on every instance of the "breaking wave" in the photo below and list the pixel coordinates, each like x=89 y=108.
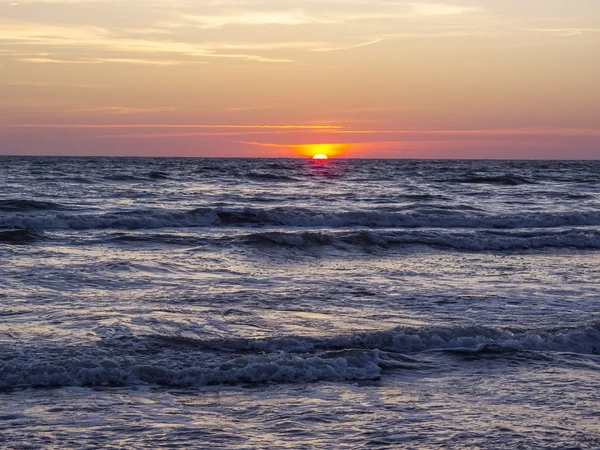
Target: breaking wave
x=21 y=205
x=474 y=241
x=177 y=361
x=295 y=217
x=286 y=368
x=583 y=340
x=470 y=240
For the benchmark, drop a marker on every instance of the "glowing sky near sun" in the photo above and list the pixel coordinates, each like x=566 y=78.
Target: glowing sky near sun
x=378 y=78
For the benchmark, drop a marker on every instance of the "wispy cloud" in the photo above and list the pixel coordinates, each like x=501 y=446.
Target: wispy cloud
x=349 y=142
x=140 y=61
x=567 y=31
x=425 y=9
x=321 y=128
x=27 y=2
x=56 y=61
x=533 y=131
x=252 y=18
x=172 y=134
x=121 y=110
x=347 y=47
x=189 y=126
x=55 y=84
x=163 y=37
x=77 y=37
x=328 y=148
x=259 y=15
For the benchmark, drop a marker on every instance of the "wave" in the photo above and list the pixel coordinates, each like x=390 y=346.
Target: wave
x=122 y=177
x=295 y=217
x=282 y=368
x=266 y=176
x=476 y=338
x=481 y=240
x=473 y=241
x=159 y=175
x=154 y=238
x=502 y=180
x=64 y=178
x=136 y=219
x=19 y=237
x=178 y=361
x=23 y=205
x=150 y=176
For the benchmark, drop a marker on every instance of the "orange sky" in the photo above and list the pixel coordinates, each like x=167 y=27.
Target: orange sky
x=372 y=78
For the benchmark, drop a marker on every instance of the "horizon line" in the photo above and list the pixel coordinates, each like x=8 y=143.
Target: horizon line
x=307 y=158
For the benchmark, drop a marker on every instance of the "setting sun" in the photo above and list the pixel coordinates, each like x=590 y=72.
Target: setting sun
x=321 y=151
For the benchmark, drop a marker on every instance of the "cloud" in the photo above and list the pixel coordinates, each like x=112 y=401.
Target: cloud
x=324 y=128
x=78 y=36
x=152 y=62
x=120 y=110
x=189 y=126
x=254 y=18
x=442 y=9
x=54 y=84
x=260 y=15
x=351 y=143
x=173 y=134
x=163 y=36
x=567 y=31
x=54 y=36
x=347 y=47
x=18 y=31
x=534 y=131
x=328 y=148
x=331 y=149
x=55 y=61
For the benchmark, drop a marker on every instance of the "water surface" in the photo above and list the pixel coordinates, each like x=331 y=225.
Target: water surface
x=246 y=303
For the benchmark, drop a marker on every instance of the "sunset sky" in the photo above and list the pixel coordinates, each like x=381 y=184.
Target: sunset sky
x=274 y=78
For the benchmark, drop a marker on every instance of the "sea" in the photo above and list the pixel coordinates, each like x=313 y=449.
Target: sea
x=292 y=303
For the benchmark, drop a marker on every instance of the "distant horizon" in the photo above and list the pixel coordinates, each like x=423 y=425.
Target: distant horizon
x=303 y=158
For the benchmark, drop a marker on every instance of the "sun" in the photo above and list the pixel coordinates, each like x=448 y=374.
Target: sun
x=321 y=151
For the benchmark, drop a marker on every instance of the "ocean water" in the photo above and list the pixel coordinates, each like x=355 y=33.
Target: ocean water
x=248 y=303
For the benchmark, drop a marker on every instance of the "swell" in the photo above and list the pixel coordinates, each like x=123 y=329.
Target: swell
x=295 y=217
x=501 y=180
x=582 y=340
x=157 y=175
x=349 y=240
x=22 y=205
x=176 y=361
x=473 y=241
x=134 y=178
x=19 y=237
x=267 y=176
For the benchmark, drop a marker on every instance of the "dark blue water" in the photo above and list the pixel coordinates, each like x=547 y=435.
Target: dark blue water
x=246 y=303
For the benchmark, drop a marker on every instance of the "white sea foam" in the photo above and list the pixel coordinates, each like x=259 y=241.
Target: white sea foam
x=188 y=362
x=276 y=367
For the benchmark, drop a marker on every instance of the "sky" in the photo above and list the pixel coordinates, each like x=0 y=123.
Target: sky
x=286 y=78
